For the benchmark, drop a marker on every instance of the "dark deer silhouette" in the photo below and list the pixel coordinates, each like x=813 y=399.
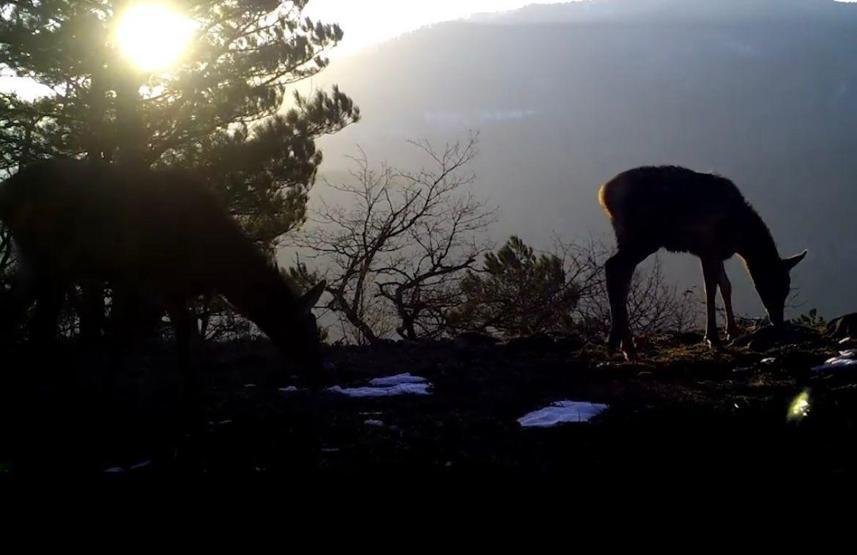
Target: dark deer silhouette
x=685 y=211
x=148 y=233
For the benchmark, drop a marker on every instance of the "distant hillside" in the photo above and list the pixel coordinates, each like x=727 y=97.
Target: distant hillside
x=565 y=96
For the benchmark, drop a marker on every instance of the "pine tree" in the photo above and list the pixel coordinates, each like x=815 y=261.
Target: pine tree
x=219 y=110
x=517 y=293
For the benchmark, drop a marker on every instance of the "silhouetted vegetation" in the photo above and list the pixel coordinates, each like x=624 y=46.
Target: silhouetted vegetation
x=518 y=293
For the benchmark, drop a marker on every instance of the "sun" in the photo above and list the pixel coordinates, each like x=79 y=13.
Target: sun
x=153 y=36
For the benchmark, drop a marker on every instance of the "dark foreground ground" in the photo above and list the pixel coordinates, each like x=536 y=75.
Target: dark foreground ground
x=683 y=410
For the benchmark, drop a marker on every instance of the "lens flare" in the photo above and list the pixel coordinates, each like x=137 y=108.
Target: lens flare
x=800 y=406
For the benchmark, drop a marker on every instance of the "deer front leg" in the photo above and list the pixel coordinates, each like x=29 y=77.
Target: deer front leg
x=619 y=269
x=711 y=269
x=184 y=324
x=92 y=310
x=14 y=304
x=732 y=329
x=50 y=296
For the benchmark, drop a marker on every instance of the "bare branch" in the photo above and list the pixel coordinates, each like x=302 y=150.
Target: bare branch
x=395 y=247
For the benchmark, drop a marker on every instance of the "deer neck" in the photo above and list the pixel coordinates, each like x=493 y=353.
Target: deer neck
x=755 y=244
x=254 y=287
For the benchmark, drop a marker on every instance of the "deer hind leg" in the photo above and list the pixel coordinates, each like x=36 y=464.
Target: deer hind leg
x=50 y=295
x=711 y=270
x=732 y=329
x=619 y=269
x=135 y=315
x=14 y=304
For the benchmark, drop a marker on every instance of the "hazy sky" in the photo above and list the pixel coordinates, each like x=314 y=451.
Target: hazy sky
x=366 y=22
x=370 y=21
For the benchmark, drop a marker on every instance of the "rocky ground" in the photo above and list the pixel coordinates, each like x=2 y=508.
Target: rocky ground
x=756 y=408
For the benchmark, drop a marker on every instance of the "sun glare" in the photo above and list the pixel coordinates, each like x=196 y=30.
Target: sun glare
x=153 y=36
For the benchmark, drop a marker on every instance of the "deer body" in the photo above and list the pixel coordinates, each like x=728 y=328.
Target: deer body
x=154 y=232
x=685 y=211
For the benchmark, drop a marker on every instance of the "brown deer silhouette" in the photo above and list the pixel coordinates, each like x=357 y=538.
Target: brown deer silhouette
x=685 y=211
x=146 y=232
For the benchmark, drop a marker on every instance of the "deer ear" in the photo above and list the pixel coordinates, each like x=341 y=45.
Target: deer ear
x=311 y=297
x=792 y=261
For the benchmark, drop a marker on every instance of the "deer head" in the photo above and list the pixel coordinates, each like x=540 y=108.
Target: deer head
x=774 y=284
x=293 y=329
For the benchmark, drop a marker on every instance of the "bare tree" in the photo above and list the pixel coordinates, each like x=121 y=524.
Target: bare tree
x=395 y=245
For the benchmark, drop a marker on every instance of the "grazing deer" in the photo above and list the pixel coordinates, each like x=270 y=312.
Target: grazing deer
x=685 y=211
x=146 y=232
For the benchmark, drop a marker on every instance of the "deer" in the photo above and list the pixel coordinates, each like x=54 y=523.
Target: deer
x=703 y=214
x=150 y=234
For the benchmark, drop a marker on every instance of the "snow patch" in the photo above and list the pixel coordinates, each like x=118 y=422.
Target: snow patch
x=388 y=381
x=561 y=412
x=844 y=360
x=388 y=386
x=121 y=469
x=400 y=389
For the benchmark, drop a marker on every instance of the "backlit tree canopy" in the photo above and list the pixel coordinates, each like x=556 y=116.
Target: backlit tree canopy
x=218 y=109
